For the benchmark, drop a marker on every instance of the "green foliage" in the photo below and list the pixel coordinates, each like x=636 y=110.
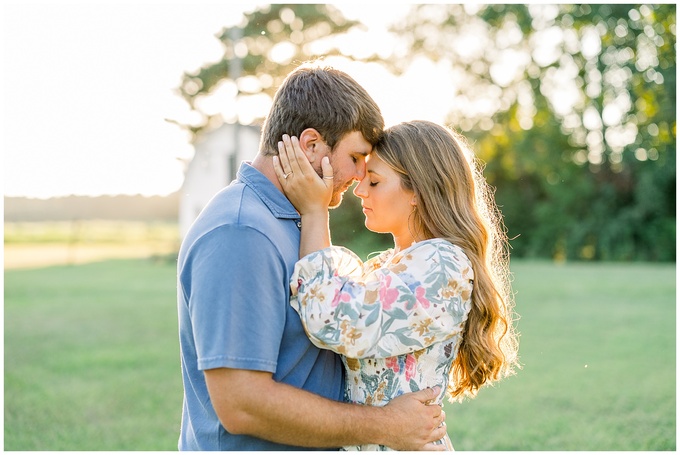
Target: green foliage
x=269 y=43
x=580 y=140
x=572 y=108
x=91 y=361
x=348 y=229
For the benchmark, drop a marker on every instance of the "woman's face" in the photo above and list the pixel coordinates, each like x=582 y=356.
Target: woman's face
x=385 y=203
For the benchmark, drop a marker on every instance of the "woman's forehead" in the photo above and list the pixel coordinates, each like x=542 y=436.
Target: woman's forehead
x=375 y=165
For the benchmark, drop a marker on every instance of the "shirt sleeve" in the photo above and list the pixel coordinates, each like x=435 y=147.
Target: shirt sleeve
x=421 y=299
x=238 y=299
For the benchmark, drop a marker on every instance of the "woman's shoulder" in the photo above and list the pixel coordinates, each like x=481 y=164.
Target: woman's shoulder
x=436 y=244
x=378 y=259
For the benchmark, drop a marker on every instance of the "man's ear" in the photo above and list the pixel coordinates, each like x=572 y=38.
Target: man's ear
x=312 y=144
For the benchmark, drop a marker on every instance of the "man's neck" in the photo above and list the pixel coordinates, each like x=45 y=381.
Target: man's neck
x=265 y=165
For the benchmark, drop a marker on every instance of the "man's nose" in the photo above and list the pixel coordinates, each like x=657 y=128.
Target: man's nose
x=359 y=190
x=361 y=170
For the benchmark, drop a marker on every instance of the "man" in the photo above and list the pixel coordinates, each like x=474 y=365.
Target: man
x=252 y=379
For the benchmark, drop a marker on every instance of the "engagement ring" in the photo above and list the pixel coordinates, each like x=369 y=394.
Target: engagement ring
x=288 y=175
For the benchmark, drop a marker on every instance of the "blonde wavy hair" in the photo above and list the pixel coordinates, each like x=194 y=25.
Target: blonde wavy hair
x=454 y=202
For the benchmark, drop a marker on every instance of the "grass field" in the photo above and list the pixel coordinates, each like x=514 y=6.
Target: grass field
x=92 y=363
x=598 y=349
x=33 y=244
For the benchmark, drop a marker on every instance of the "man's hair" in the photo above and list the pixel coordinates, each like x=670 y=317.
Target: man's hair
x=325 y=99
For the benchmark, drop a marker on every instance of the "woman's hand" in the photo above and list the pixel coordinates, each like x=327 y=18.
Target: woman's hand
x=301 y=184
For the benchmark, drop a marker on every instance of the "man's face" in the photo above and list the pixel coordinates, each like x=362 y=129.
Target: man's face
x=349 y=163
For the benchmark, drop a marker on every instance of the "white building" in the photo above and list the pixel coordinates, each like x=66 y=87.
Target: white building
x=217 y=155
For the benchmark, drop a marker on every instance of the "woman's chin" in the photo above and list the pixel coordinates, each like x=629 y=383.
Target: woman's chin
x=371 y=227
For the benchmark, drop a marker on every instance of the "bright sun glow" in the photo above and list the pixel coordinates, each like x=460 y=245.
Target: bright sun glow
x=88 y=88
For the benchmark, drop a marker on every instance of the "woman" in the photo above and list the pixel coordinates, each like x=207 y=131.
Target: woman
x=434 y=310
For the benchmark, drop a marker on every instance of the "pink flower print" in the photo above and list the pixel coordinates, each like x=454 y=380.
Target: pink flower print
x=393 y=363
x=410 y=369
x=420 y=297
x=387 y=295
x=340 y=296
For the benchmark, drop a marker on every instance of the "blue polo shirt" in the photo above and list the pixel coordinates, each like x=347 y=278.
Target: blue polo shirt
x=233 y=270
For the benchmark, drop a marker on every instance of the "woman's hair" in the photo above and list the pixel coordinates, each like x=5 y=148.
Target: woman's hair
x=455 y=203
x=325 y=99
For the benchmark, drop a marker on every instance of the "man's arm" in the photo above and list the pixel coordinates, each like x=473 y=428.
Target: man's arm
x=251 y=402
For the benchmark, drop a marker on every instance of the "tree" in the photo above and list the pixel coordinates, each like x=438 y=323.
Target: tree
x=572 y=107
x=576 y=120
x=258 y=54
x=260 y=51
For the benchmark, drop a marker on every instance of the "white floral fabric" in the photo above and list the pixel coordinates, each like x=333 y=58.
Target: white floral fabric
x=396 y=320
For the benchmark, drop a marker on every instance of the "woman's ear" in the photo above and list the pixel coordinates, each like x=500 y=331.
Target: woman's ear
x=312 y=144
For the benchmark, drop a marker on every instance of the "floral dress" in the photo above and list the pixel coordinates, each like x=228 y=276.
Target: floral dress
x=396 y=320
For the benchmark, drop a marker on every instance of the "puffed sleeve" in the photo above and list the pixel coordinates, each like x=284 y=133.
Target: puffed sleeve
x=422 y=298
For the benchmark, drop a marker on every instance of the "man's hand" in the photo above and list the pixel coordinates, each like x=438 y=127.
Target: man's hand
x=287 y=415
x=414 y=423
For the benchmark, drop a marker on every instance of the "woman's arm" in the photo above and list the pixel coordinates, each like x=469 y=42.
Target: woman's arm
x=421 y=300
x=309 y=193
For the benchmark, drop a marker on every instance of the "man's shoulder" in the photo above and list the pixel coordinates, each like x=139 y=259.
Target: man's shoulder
x=235 y=208
x=236 y=205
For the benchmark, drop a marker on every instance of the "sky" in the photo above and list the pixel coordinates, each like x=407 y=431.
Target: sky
x=87 y=88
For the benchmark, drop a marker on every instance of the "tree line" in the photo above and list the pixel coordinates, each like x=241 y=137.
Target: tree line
x=579 y=131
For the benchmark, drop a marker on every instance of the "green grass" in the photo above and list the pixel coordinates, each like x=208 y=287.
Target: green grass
x=92 y=357
x=92 y=362
x=598 y=352
x=90 y=231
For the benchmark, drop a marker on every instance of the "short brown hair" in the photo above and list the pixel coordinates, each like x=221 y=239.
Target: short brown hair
x=325 y=99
